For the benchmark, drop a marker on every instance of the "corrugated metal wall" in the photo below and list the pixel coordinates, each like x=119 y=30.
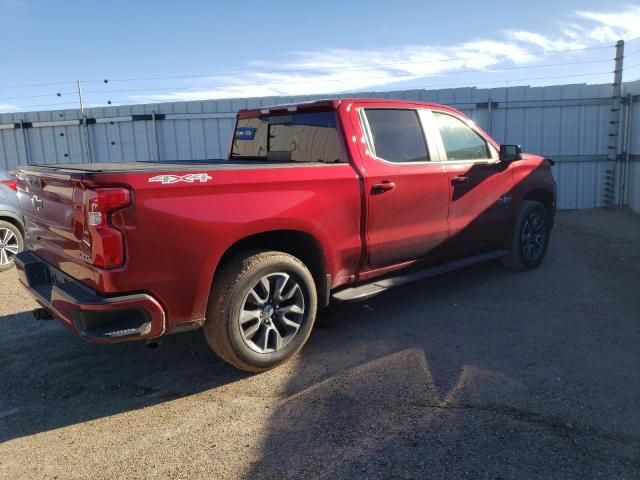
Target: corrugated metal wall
x=569 y=123
x=633 y=165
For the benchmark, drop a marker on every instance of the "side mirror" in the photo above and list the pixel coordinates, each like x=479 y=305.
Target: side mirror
x=510 y=153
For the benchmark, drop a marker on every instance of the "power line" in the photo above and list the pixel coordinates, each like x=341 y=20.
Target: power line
x=442 y=84
x=627 y=55
x=36 y=85
x=505 y=81
x=59 y=94
x=342 y=79
x=409 y=62
x=220 y=74
x=411 y=75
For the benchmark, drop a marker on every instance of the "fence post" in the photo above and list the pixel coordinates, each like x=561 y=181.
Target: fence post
x=626 y=148
x=506 y=109
x=25 y=142
x=489 y=115
x=155 y=134
x=87 y=145
x=614 y=195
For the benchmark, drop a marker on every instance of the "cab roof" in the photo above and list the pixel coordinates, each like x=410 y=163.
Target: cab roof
x=334 y=104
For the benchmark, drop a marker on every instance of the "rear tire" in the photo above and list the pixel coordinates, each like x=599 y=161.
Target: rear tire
x=261 y=310
x=11 y=243
x=530 y=237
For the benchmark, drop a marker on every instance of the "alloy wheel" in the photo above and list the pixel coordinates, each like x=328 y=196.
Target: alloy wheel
x=272 y=312
x=9 y=246
x=533 y=238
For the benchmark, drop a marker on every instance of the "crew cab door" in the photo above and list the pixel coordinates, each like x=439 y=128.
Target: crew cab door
x=407 y=194
x=481 y=185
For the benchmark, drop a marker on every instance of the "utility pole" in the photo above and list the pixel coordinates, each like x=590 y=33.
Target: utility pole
x=87 y=145
x=80 y=97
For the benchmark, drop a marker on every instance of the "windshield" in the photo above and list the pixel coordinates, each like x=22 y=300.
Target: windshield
x=299 y=137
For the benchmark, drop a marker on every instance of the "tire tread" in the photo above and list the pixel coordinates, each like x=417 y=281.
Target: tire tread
x=216 y=327
x=513 y=260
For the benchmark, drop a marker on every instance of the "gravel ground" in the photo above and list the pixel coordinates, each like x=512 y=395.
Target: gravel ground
x=481 y=373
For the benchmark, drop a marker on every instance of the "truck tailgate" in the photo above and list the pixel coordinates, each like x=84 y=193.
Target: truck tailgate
x=47 y=202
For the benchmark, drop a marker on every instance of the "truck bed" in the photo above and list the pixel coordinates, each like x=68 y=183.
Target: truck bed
x=173 y=234
x=181 y=165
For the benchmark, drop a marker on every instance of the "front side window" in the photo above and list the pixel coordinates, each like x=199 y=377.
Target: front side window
x=397 y=135
x=460 y=141
x=299 y=137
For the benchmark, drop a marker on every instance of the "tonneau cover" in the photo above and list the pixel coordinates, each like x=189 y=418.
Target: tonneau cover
x=131 y=167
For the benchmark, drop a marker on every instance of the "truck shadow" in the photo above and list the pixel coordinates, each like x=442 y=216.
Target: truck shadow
x=436 y=380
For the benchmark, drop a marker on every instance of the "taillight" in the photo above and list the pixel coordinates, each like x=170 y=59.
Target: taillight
x=103 y=243
x=12 y=184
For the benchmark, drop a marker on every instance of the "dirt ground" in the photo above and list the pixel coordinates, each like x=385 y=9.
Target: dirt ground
x=482 y=373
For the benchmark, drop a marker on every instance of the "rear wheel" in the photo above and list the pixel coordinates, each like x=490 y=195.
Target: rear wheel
x=11 y=243
x=261 y=310
x=530 y=237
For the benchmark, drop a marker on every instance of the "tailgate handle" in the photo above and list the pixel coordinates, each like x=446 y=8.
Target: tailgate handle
x=383 y=186
x=36 y=202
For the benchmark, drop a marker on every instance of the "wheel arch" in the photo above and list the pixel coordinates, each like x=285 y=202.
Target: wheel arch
x=297 y=243
x=545 y=197
x=14 y=220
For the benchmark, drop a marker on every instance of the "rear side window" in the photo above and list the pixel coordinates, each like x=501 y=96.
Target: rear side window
x=299 y=137
x=460 y=141
x=397 y=135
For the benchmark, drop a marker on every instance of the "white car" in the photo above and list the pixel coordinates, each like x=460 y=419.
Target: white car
x=11 y=223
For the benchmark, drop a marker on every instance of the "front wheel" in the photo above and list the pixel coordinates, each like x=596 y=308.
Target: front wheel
x=261 y=310
x=530 y=237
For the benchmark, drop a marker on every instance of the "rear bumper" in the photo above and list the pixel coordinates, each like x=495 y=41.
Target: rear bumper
x=92 y=316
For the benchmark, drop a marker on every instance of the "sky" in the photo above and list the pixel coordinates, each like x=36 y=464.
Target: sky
x=156 y=51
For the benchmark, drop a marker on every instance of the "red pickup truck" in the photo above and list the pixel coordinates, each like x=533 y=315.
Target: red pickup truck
x=328 y=200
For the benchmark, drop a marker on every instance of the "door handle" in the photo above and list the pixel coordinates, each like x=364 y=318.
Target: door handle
x=382 y=187
x=459 y=180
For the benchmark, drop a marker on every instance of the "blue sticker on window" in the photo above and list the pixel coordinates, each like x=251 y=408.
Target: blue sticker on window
x=245 y=133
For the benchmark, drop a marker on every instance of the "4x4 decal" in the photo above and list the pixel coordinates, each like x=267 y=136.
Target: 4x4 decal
x=189 y=178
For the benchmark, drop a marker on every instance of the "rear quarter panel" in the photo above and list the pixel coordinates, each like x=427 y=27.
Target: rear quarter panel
x=175 y=234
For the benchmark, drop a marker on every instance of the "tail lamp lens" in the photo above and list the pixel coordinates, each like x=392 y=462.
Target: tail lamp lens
x=12 y=184
x=104 y=243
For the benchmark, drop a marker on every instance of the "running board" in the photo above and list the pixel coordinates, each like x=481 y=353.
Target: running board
x=367 y=290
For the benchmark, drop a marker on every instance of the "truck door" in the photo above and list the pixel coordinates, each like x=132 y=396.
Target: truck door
x=481 y=185
x=407 y=194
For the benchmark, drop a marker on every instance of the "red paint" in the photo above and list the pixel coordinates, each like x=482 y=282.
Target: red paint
x=368 y=216
x=12 y=184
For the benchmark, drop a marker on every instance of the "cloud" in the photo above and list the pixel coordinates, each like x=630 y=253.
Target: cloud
x=561 y=42
x=332 y=71
x=7 y=107
x=612 y=26
x=340 y=70
x=344 y=70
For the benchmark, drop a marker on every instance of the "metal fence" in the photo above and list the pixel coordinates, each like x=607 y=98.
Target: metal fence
x=590 y=132
x=631 y=195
